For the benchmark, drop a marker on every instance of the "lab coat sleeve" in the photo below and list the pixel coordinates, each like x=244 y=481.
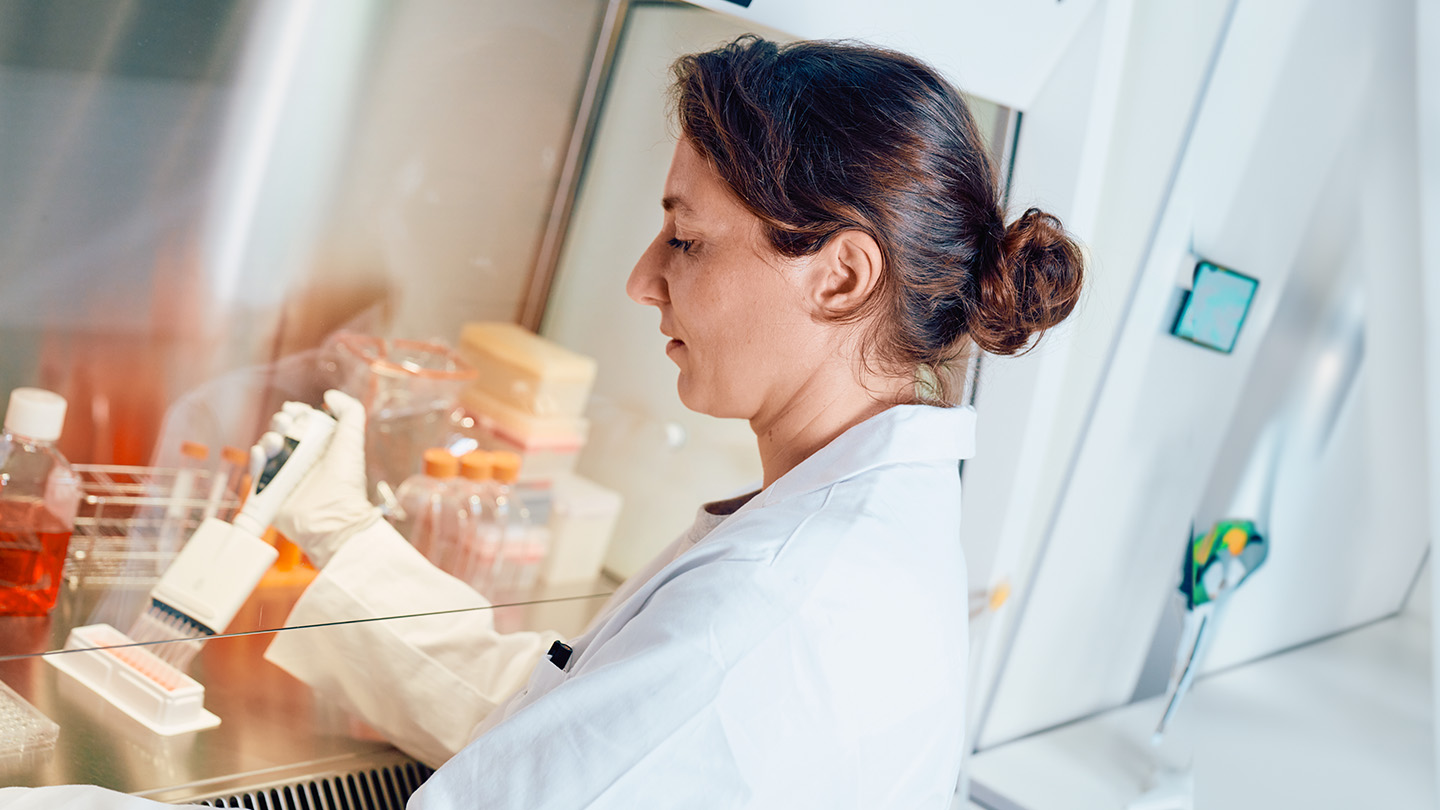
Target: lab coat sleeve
x=639 y=720
x=74 y=797
x=424 y=682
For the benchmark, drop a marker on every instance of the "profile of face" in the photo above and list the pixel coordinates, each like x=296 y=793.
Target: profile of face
x=740 y=316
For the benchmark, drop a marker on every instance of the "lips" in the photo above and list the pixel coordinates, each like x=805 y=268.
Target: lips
x=674 y=341
x=674 y=344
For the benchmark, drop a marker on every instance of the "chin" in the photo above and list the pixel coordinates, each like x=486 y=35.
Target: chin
x=689 y=398
x=699 y=402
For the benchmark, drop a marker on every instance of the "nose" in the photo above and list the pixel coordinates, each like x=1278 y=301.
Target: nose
x=646 y=284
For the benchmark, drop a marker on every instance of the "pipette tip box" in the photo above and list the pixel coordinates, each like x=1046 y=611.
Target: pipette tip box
x=24 y=731
x=135 y=680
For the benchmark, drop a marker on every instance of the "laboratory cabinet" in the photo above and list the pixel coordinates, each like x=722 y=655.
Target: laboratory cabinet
x=201 y=193
x=1292 y=151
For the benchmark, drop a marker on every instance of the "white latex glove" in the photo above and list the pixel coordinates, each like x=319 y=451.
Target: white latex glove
x=330 y=504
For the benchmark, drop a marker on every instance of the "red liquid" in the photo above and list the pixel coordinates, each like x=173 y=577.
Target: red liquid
x=32 y=554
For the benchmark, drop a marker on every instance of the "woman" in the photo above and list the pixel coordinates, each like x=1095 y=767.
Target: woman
x=833 y=238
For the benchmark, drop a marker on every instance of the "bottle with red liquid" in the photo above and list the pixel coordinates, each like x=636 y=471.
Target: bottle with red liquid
x=39 y=495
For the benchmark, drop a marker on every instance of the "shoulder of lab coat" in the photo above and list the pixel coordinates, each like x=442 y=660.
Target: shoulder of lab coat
x=809 y=651
x=424 y=682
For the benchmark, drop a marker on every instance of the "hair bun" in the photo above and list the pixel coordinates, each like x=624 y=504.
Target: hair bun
x=1034 y=285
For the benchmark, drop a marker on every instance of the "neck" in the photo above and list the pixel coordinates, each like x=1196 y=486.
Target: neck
x=816 y=415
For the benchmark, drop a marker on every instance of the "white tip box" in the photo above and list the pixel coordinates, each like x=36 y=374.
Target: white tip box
x=580 y=528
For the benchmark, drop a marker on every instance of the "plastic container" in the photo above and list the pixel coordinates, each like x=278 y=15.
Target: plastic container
x=229 y=483
x=135 y=680
x=525 y=370
x=580 y=529
x=411 y=392
x=548 y=446
x=176 y=526
x=514 y=569
x=39 y=495
x=535 y=548
x=428 y=505
x=478 y=539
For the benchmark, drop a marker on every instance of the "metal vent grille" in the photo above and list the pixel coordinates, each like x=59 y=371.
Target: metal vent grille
x=386 y=788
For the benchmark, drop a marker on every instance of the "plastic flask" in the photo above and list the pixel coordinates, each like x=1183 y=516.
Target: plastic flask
x=478 y=537
x=39 y=495
x=513 y=520
x=228 y=485
x=427 y=505
x=175 y=528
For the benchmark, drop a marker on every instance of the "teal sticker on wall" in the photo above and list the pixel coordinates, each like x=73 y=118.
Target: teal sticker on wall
x=1216 y=307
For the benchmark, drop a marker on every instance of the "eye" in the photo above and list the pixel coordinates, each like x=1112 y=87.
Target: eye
x=682 y=245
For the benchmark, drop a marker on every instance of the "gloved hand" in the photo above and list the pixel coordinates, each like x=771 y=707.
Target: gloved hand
x=330 y=504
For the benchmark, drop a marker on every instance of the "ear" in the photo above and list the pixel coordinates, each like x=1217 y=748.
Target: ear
x=847 y=271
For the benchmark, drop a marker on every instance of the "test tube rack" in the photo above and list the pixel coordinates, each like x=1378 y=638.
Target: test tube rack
x=132 y=521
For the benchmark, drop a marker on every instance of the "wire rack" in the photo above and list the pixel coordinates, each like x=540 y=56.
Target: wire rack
x=133 y=520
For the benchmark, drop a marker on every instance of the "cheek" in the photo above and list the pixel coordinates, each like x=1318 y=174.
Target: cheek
x=726 y=318
x=748 y=332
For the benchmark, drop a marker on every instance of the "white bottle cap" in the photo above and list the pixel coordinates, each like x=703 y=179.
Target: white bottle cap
x=35 y=414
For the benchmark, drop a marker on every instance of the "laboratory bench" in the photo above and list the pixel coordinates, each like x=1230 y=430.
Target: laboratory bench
x=273 y=732
x=1344 y=722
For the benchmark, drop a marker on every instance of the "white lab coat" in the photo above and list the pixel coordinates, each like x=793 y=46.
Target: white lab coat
x=808 y=650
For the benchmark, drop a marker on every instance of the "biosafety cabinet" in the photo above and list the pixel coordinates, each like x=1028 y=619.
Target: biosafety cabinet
x=199 y=192
x=1289 y=143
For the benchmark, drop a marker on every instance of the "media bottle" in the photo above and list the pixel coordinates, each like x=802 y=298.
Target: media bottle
x=178 y=523
x=478 y=538
x=508 y=577
x=535 y=546
x=39 y=495
x=228 y=486
x=427 y=505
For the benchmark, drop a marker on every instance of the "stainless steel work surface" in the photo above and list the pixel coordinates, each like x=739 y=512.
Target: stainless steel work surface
x=273 y=730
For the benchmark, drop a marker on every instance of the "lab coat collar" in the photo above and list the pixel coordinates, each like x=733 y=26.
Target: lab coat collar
x=904 y=433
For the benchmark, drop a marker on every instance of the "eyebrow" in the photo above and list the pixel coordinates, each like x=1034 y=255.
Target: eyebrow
x=674 y=204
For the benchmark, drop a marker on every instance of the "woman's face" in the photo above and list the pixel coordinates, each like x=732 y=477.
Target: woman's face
x=741 y=328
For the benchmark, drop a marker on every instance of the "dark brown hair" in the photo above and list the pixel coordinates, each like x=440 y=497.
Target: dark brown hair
x=816 y=138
